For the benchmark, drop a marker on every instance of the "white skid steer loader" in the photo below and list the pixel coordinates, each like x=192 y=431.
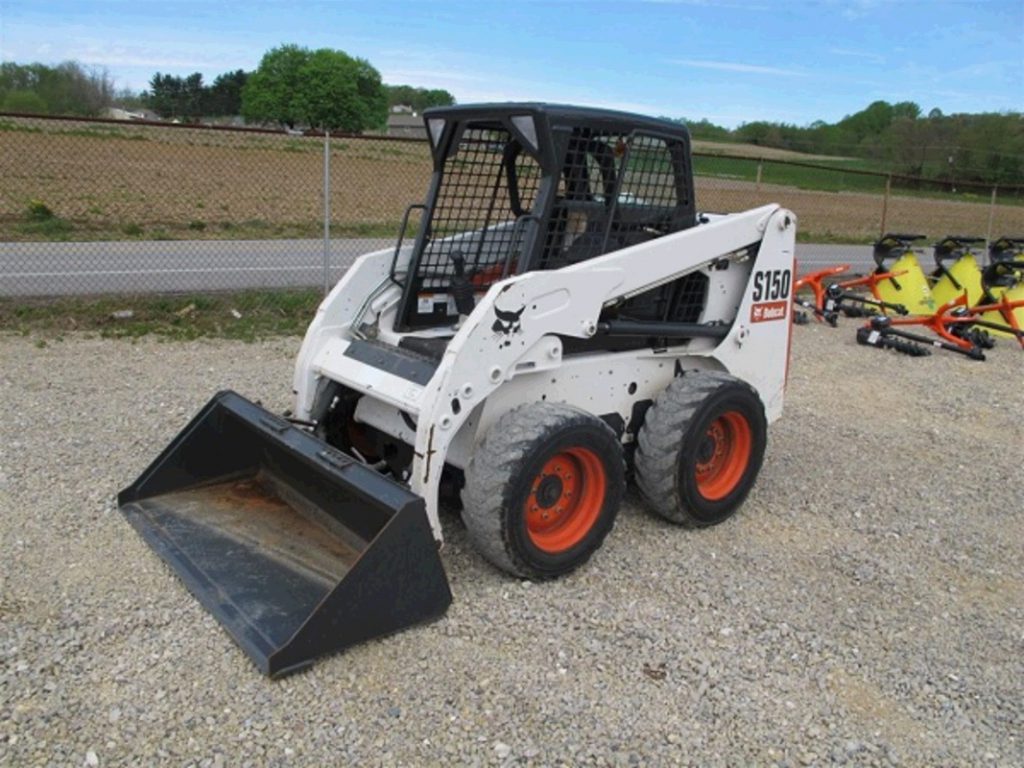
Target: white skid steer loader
x=563 y=316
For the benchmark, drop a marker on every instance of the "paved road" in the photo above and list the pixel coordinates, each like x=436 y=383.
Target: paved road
x=55 y=269
x=812 y=256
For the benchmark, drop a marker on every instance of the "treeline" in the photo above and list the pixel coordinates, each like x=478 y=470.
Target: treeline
x=417 y=98
x=293 y=86
x=326 y=88
x=986 y=148
x=66 y=89
x=188 y=98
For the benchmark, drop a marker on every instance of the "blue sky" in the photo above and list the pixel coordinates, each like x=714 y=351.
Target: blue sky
x=730 y=61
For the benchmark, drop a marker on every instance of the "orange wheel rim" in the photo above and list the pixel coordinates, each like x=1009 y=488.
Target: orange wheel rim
x=723 y=455
x=565 y=500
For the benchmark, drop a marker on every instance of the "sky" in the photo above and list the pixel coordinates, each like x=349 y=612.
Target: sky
x=734 y=61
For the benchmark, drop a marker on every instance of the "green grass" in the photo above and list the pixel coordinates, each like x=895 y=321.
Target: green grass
x=90 y=133
x=7 y=125
x=382 y=229
x=834 y=179
x=787 y=175
x=46 y=229
x=180 y=317
x=82 y=230
x=829 y=237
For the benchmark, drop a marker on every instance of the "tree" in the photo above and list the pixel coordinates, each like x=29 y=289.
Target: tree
x=907 y=141
x=166 y=95
x=341 y=93
x=868 y=122
x=708 y=131
x=325 y=89
x=436 y=97
x=270 y=92
x=87 y=91
x=370 y=103
x=126 y=98
x=192 y=97
x=759 y=132
x=188 y=98
x=23 y=102
x=225 y=95
x=417 y=98
x=179 y=97
x=907 y=109
x=67 y=89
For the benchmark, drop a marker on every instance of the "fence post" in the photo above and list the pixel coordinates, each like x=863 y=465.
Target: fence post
x=991 y=217
x=885 y=204
x=760 y=167
x=327 y=211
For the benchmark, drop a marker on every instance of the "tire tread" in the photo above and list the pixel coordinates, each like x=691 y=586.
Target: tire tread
x=660 y=441
x=493 y=467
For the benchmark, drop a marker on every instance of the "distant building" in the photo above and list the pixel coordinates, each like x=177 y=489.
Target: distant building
x=406 y=125
x=116 y=113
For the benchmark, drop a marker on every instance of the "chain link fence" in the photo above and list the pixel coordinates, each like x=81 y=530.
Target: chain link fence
x=836 y=206
x=102 y=207
x=92 y=207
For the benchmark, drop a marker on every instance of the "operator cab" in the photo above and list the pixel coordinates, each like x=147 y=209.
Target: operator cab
x=522 y=187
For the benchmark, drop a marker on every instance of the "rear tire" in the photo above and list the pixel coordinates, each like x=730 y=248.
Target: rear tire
x=700 y=448
x=543 y=489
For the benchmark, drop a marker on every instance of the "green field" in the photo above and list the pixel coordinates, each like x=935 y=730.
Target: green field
x=836 y=179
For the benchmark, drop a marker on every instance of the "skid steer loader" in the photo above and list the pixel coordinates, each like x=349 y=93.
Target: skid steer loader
x=562 y=315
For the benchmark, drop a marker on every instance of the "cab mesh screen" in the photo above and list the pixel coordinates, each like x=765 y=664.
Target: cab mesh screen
x=486 y=186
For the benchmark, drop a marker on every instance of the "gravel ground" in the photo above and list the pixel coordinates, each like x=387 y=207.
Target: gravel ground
x=864 y=608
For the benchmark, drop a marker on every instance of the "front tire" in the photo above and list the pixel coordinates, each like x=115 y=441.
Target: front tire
x=543 y=489
x=700 y=448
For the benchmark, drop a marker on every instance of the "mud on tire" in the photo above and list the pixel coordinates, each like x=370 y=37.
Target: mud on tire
x=700 y=448
x=543 y=489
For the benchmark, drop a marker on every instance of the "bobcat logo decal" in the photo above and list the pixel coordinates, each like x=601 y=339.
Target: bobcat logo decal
x=507 y=323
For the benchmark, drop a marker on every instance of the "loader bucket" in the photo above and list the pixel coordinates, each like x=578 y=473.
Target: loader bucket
x=297 y=549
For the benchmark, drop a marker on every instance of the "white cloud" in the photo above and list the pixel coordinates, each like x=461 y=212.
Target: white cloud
x=126 y=59
x=859 y=8
x=733 y=66
x=132 y=56
x=428 y=77
x=865 y=55
x=983 y=70
x=470 y=90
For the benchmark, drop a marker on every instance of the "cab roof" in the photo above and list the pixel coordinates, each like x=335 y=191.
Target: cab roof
x=560 y=115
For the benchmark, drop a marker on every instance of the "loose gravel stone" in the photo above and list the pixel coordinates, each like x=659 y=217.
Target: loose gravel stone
x=863 y=608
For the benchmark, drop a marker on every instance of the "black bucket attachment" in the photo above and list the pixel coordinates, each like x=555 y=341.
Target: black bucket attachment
x=296 y=548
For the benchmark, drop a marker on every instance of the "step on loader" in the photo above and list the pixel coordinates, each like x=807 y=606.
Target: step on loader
x=560 y=313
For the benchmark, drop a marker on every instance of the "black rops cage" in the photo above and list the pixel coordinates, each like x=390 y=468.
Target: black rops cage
x=520 y=187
